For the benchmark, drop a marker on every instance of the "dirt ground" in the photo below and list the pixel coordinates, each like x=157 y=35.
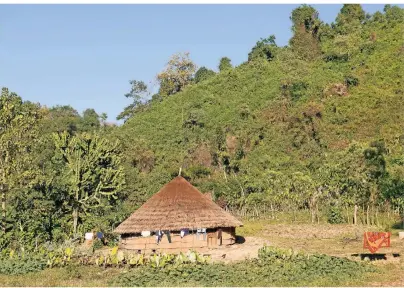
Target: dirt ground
x=335 y=240
x=239 y=251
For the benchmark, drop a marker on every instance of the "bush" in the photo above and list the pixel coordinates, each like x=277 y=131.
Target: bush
x=97 y=244
x=21 y=266
x=334 y=215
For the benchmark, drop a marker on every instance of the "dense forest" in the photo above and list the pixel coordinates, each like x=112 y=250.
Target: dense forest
x=317 y=126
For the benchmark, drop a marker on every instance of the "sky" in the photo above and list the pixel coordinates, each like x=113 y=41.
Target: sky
x=85 y=55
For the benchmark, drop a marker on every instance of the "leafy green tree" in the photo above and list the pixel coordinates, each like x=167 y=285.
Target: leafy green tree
x=93 y=175
x=393 y=186
x=137 y=94
x=306 y=25
x=393 y=13
x=203 y=74
x=90 y=121
x=394 y=193
x=18 y=133
x=103 y=118
x=265 y=49
x=306 y=16
x=178 y=73
x=61 y=118
x=225 y=64
x=351 y=16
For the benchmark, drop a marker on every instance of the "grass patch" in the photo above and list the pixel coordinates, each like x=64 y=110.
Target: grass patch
x=251 y=228
x=66 y=276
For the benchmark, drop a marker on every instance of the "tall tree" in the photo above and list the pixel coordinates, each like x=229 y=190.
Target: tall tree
x=90 y=121
x=350 y=18
x=18 y=132
x=393 y=186
x=137 y=94
x=61 y=118
x=203 y=74
x=306 y=25
x=93 y=174
x=225 y=64
x=178 y=73
x=264 y=49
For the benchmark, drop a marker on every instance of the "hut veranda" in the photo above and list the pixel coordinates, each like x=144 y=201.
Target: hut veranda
x=176 y=219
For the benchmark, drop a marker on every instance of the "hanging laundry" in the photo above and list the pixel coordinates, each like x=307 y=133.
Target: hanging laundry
x=204 y=233
x=146 y=233
x=198 y=232
x=168 y=236
x=184 y=232
x=159 y=235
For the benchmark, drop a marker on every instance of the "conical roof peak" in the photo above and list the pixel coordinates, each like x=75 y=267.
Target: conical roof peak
x=177 y=205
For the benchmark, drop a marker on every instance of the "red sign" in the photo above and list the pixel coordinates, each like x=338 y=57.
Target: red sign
x=375 y=240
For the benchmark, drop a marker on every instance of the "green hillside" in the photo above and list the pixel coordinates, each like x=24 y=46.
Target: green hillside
x=245 y=132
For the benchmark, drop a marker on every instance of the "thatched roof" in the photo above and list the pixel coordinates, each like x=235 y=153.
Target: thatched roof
x=208 y=195
x=177 y=205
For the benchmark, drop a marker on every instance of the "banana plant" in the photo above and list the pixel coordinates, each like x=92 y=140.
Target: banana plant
x=69 y=253
x=180 y=259
x=192 y=256
x=133 y=261
x=137 y=260
x=155 y=261
x=141 y=260
x=202 y=259
x=53 y=260
x=120 y=256
x=12 y=252
x=100 y=260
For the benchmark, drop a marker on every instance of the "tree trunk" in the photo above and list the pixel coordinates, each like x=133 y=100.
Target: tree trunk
x=75 y=220
x=355 y=219
x=367 y=216
x=3 y=207
x=313 y=215
x=403 y=218
x=312 y=207
x=363 y=214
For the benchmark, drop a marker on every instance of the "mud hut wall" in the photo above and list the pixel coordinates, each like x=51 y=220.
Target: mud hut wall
x=228 y=236
x=149 y=243
x=190 y=241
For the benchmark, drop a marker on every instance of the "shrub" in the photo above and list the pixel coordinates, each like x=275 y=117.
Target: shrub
x=334 y=215
x=97 y=244
x=21 y=266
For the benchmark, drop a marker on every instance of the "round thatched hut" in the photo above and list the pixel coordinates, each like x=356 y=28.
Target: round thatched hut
x=177 y=218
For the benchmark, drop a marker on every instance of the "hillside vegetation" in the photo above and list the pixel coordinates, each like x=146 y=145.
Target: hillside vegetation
x=316 y=126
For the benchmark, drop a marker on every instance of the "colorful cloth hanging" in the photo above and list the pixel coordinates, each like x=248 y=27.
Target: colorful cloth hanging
x=376 y=240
